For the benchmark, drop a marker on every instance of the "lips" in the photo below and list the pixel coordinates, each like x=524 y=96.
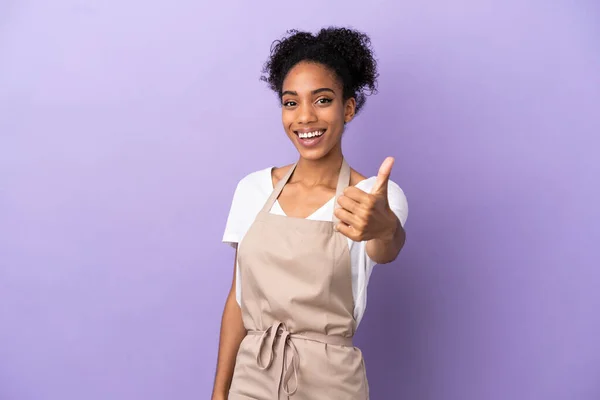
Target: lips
x=310 y=137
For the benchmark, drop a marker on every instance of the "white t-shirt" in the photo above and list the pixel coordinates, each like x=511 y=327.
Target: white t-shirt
x=253 y=191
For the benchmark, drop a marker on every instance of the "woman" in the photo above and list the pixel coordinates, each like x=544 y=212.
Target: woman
x=308 y=235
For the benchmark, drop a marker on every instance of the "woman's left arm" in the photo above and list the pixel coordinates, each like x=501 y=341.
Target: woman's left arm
x=386 y=248
x=368 y=217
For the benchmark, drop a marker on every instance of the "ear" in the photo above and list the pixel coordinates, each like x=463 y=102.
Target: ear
x=349 y=109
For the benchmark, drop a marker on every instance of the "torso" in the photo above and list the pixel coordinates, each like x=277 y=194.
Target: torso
x=300 y=201
x=297 y=305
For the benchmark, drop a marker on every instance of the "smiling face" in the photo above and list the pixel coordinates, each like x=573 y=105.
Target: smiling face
x=314 y=110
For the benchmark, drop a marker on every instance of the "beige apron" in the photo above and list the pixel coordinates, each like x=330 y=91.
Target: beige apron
x=297 y=306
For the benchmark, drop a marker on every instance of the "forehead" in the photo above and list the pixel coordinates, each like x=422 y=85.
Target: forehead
x=307 y=76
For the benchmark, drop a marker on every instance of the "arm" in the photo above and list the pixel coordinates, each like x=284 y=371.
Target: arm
x=385 y=249
x=232 y=334
x=369 y=217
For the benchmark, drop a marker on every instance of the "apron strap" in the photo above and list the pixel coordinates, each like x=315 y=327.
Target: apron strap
x=343 y=183
x=278 y=189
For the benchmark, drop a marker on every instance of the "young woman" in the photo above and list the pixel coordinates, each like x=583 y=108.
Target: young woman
x=308 y=235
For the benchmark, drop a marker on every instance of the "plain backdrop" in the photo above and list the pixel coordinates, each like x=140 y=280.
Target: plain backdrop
x=126 y=125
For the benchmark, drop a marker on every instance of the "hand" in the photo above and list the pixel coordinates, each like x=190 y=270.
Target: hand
x=366 y=216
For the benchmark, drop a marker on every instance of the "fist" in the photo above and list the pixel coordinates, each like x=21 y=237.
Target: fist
x=366 y=216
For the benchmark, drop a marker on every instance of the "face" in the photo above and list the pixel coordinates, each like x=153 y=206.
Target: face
x=314 y=110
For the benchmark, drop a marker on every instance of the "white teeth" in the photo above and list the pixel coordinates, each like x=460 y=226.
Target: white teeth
x=309 y=135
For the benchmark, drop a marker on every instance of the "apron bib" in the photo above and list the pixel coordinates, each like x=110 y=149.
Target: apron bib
x=298 y=308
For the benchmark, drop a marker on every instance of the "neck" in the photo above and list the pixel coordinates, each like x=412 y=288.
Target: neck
x=324 y=171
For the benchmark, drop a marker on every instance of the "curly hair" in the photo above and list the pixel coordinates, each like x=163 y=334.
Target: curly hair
x=346 y=52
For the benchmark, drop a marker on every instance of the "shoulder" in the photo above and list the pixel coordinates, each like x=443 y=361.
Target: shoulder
x=253 y=182
x=251 y=191
x=250 y=194
x=368 y=183
x=278 y=173
x=356 y=177
x=262 y=181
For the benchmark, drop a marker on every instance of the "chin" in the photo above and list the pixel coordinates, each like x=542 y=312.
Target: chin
x=313 y=154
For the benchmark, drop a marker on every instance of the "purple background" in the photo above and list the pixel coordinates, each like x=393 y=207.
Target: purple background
x=125 y=126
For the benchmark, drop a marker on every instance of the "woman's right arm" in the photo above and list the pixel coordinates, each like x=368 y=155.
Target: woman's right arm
x=232 y=334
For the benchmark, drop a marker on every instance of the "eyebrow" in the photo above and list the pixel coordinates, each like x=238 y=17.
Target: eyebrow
x=316 y=91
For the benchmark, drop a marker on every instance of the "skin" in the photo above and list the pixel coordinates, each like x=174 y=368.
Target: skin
x=312 y=98
x=232 y=334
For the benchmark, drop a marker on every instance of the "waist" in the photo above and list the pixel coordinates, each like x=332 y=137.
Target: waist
x=335 y=340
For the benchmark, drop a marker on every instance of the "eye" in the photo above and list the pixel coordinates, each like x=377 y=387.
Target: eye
x=324 y=100
x=289 y=103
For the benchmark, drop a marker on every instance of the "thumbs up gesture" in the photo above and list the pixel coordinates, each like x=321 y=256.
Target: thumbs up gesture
x=366 y=216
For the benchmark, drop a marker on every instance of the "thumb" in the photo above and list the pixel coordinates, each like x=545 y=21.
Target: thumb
x=383 y=177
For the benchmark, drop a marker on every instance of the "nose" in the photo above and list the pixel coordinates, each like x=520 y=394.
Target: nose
x=306 y=113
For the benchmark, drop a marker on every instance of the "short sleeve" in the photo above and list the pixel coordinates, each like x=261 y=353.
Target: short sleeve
x=250 y=194
x=399 y=205
x=398 y=202
x=234 y=227
x=362 y=264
